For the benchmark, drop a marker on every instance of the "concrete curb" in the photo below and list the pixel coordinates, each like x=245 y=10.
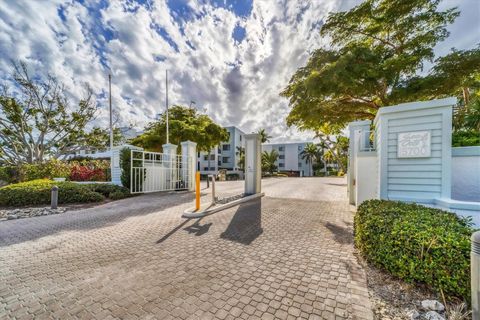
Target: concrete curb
x=190 y=213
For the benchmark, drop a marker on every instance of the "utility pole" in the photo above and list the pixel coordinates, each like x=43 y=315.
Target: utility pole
x=110 y=108
x=166 y=98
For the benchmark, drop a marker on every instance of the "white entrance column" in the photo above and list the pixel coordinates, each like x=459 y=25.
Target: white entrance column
x=189 y=163
x=253 y=163
x=355 y=129
x=170 y=154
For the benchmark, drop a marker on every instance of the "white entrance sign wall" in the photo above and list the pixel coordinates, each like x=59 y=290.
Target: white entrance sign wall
x=438 y=176
x=416 y=179
x=414 y=144
x=253 y=163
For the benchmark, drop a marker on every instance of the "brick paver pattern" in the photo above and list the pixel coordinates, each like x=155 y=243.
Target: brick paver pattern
x=274 y=258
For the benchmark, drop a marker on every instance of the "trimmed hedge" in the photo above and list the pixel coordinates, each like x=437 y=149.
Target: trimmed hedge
x=416 y=243
x=38 y=192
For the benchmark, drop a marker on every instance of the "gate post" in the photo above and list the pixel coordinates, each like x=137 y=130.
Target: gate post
x=353 y=148
x=170 y=152
x=253 y=163
x=189 y=163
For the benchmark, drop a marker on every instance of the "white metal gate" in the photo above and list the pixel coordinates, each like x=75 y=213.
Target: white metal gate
x=153 y=171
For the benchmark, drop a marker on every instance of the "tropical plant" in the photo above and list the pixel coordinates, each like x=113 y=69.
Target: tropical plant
x=310 y=154
x=264 y=136
x=241 y=158
x=268 y=161
x=37 y=121
x=184 y=124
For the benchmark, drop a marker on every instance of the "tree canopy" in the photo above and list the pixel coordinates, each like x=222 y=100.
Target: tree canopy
x=38 y=122
x=184 y=124
x=374 y=59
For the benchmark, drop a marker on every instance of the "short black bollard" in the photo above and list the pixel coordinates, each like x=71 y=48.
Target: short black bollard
x=54 y=200
x=475 y=265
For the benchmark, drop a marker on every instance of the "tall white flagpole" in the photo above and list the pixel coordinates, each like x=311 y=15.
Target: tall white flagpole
x=110 y=108
x=166 y=98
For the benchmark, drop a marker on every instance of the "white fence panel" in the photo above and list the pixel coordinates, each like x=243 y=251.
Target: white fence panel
x=153 y=172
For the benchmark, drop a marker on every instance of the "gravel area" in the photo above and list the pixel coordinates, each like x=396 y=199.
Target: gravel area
x=12 y=214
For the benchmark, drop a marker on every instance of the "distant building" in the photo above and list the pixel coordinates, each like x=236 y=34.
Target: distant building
x=223 y=156
x=290 y=158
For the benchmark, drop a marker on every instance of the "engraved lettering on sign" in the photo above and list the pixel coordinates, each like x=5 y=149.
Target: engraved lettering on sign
x=414 y=144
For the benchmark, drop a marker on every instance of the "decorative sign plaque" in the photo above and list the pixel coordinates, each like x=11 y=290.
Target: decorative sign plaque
x=414 y=144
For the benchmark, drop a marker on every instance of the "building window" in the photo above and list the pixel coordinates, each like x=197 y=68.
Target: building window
x=212 y=169
x=198 y=155
x=219 y=162
x=226 y=147
x=240 y=137
x=299 y=148
x=299 y=164
x=212 y=157
x=281 y=165
x=282 y=156
x=225 y=159
x=205 y=169
x=205 y=157
x=281 y=148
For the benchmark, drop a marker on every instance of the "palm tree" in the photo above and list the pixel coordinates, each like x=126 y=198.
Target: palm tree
x=310 y=154
x=241 y=157
x=264 y=137
x=268 y=161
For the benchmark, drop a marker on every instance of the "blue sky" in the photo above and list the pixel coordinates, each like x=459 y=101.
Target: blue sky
x=231 y=57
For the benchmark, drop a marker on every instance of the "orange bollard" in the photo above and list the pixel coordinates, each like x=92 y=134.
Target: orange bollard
x=197 y=191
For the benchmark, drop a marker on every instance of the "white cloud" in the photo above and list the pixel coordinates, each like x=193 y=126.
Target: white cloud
x=238 y=83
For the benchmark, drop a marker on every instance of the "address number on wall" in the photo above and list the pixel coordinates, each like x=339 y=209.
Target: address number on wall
x=414 y=144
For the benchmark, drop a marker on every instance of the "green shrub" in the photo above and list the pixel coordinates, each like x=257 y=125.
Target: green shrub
x=465 y=138
x=38 y=192
x=416 y=243
x=106 y=189
x=117 y=195
x=125 y=155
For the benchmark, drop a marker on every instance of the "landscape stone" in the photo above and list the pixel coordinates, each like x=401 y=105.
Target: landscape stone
x=433 y=305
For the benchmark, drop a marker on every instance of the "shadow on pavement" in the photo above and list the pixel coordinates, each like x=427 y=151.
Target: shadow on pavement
x=22 y=230
x=198 y=229
x=246 y=224
x=341 y=234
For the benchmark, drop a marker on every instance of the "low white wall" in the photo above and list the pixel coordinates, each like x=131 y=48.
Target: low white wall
x=366 y=188
x=466 y=173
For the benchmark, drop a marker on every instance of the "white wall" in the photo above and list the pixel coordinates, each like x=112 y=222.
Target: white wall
x=466 y=173
x=365 y=177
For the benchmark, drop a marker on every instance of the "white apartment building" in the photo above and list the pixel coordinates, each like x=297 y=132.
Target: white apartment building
x=224 y=156
x=290 y=158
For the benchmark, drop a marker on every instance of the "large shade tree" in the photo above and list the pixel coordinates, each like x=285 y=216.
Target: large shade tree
x=375 y=54
x=184 y=124
x=39 y=122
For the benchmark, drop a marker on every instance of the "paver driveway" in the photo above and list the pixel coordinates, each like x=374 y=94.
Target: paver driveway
x=288 y=255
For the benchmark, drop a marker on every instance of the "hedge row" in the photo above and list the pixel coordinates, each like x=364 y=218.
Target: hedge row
x=416 y=243
x=38 y=192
